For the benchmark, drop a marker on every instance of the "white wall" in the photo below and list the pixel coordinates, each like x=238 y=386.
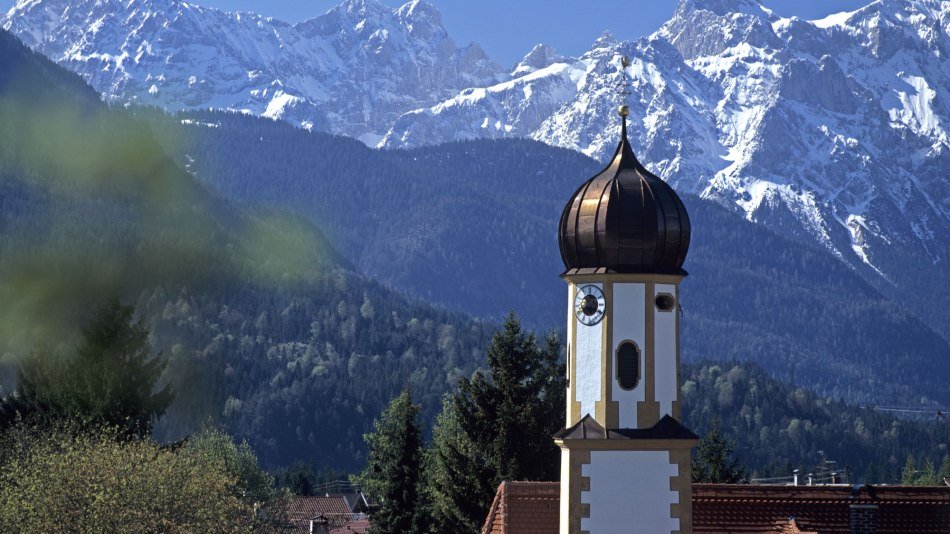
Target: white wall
x=629 y=492
x=589 y=343
x=572 y=353
x=628 y=324
x=565 y=491
x=664 y=352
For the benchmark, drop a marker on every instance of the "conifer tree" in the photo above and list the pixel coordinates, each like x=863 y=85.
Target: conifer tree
x=713 y=462
x=512 y=413
x=944 y=468
x=498 y=426
x=113 y=378
x=457 y=478
x=928 y=475
x=392 y=473
x=909 y=473
x=110 y=382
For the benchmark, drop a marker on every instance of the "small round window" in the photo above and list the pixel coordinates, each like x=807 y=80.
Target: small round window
x=665 y=302
x=628 y=365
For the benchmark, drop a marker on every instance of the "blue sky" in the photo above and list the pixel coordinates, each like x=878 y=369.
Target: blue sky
x=507 y=29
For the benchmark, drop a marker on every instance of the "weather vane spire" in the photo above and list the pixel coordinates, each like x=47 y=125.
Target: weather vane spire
x=623 y=87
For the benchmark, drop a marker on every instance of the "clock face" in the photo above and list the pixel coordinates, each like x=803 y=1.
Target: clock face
x=589 y=305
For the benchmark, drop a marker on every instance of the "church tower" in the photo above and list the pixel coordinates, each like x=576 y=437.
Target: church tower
x=625 y=458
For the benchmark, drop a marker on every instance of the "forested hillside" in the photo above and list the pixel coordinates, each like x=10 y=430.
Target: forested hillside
x=778 y=427
x=276 y=336
x=267 y=329
x=472 y=225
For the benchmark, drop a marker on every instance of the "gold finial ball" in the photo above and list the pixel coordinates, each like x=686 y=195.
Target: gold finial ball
x=624 y=111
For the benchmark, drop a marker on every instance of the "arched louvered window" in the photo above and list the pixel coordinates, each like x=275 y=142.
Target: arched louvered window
x=628 y=365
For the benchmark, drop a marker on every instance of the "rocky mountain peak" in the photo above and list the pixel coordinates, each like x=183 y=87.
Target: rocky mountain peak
x=725 y=7
x=605 y=40
x=708 y=27
x=539 y=57
x=422 y=19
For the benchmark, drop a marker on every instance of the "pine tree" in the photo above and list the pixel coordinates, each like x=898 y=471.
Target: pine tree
x=512 y=412
x=928 y=475
x=498 y=427
x=713 y=460
x=113 y=378
x=392 y=473
x=110 y=382
x=457 y=478
x=909 y=474
x=945 y=467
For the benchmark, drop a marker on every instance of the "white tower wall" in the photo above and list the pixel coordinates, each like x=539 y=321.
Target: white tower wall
x=630 y=492
x=628 y=325
x=588 y=375
x=666 y=350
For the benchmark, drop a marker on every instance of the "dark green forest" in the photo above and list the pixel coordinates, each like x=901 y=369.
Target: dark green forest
x=280 y=339
x=266 y=328
x=778 y=427
x=471 y=225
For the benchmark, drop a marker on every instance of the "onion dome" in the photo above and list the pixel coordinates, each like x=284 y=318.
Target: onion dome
x=624 y=220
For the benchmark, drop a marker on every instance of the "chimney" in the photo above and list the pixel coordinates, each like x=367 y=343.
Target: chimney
x=319 y=525
x=862 y=514
x=795 y=477
x=862 y=518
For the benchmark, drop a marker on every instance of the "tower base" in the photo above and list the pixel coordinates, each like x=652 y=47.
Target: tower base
x=625 y=480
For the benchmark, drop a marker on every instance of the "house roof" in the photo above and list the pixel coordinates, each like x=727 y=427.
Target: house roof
x=533 y=508
x=525 y=508
x=360 y=526
x=336 y=510
x=792 y=528
x=826 y=509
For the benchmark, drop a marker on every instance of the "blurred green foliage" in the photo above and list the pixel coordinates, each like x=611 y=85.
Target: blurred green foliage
x=91 y=482
x=112 y=380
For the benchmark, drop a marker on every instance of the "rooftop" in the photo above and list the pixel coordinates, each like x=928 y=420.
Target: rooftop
x=334 y=508
x=533 y=508
x=525 y=508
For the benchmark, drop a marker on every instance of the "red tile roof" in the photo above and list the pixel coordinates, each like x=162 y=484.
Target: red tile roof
x=360 y=526
x=300 y=510
x=792 y=528
x=729 y=508
x=524 y=508
x=533 y=508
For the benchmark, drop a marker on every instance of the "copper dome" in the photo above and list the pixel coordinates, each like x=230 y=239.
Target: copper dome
x=625 y=220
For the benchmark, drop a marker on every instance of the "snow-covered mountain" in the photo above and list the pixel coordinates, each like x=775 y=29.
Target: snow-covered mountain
x=832 y=130
x=350 y=71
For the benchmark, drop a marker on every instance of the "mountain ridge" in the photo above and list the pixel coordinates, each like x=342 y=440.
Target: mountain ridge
x=348 y=71
x=831 y=131
x=790 y=122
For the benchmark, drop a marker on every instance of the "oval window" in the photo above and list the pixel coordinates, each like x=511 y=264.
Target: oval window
x=665 y=302
x=628 y=365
